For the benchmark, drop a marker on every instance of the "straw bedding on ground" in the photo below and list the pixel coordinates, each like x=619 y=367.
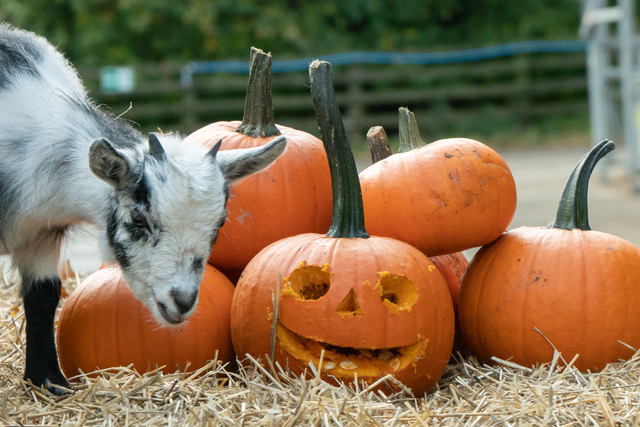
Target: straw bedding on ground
x=468 y=394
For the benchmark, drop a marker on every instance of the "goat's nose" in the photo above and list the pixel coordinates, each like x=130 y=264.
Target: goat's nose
x=184 y=300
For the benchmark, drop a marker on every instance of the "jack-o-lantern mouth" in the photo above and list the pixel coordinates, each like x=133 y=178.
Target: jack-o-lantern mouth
x=343 y=362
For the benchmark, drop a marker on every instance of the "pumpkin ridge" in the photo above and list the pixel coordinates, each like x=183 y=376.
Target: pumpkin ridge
x=480 y=296
x=585 y=280
x=524 y=300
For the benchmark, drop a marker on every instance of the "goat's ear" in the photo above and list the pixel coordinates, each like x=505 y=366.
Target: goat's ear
x=155 y=148
x=237 y=164
x=108 y=164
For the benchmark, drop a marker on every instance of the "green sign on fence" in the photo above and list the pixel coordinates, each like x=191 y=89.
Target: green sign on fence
x=120 y=79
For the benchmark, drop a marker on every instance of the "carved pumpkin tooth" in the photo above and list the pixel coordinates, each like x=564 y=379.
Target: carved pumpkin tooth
x=348 y=365
x=395 y=364
x=385 y=356
x=328 y=365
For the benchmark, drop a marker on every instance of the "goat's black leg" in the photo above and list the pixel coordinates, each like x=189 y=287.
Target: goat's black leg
x=41 y=298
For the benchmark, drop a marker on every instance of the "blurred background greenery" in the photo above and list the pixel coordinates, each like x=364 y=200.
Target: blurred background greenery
x=168 y=33
x=101 y=32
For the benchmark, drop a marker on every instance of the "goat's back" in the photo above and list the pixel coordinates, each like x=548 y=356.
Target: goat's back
x=47 y=124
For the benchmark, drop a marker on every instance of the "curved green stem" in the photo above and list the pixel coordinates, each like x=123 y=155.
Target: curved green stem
x=408 y=131
x=573 y=211
x=348 y=213
x=258 y=106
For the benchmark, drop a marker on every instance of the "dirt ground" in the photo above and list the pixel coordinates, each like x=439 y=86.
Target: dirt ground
x=540 y=175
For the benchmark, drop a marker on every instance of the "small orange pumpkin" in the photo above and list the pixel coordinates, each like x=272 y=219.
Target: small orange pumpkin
x=443 y=197
x=290 y=197
x=564 y=286
x=354 y=305
x=103 y=325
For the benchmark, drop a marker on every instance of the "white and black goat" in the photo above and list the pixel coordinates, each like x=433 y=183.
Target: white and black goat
x=158 y=202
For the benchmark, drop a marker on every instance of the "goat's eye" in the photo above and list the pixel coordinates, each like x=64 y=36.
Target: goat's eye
x=140 y=221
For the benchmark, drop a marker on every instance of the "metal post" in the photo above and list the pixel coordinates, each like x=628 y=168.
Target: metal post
x=597 y=62
x=625 y=34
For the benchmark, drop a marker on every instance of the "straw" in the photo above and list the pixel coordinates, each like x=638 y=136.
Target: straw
x=469 y=393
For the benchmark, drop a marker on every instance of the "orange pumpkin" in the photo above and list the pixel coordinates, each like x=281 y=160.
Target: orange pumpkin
x=103 y=325
x=444 y=197
x=351 y=304
x=564 y=286
x=290 y=197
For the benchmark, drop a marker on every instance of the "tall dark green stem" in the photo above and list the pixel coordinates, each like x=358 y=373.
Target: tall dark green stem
x=348 y=213
x=573 y=211
x=258 y=106
x=408 y=132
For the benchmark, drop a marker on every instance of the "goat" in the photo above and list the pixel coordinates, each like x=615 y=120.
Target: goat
x=64 y=161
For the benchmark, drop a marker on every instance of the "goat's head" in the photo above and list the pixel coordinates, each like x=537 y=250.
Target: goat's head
x=165 y=211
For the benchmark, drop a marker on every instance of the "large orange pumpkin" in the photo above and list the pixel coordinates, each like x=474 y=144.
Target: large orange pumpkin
x=290 y=197
x=564 y=286
x=352 y=304
x=103 y=325
x=443 y=197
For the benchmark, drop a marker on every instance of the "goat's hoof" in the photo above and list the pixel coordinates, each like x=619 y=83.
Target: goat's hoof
x=57 y=388
x=55 y=383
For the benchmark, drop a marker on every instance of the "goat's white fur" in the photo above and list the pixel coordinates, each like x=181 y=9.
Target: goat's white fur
x=46 y=185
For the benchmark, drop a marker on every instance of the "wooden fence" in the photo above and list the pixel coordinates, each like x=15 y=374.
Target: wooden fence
x=455 y=99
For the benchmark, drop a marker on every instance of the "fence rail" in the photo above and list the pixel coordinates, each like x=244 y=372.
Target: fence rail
x=517 y=89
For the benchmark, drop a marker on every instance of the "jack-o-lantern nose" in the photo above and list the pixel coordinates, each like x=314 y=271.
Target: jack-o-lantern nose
x=350 y=305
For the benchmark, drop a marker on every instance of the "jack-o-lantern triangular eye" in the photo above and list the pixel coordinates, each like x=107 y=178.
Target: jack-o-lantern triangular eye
x=349 y=305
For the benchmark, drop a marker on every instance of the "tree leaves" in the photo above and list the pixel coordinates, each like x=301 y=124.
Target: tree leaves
x=101 y=32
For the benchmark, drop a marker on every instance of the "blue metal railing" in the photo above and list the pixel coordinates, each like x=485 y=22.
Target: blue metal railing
x=427 y=58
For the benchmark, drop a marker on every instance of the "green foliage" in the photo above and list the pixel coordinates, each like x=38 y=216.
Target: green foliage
x=99 y=32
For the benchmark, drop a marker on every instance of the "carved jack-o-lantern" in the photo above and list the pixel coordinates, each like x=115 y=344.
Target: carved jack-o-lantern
x=341 y=304
x=354 y=305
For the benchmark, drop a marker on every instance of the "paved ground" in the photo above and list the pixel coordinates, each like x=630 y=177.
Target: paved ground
x=540 y=176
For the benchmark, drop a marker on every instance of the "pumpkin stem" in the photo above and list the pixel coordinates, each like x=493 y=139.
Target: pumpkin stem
x=378 y=144
x=258 y=107
x=573 y=212
x=409 y=133
x=348 y=213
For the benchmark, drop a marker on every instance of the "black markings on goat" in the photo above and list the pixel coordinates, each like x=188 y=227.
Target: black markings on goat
x=197 y=265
